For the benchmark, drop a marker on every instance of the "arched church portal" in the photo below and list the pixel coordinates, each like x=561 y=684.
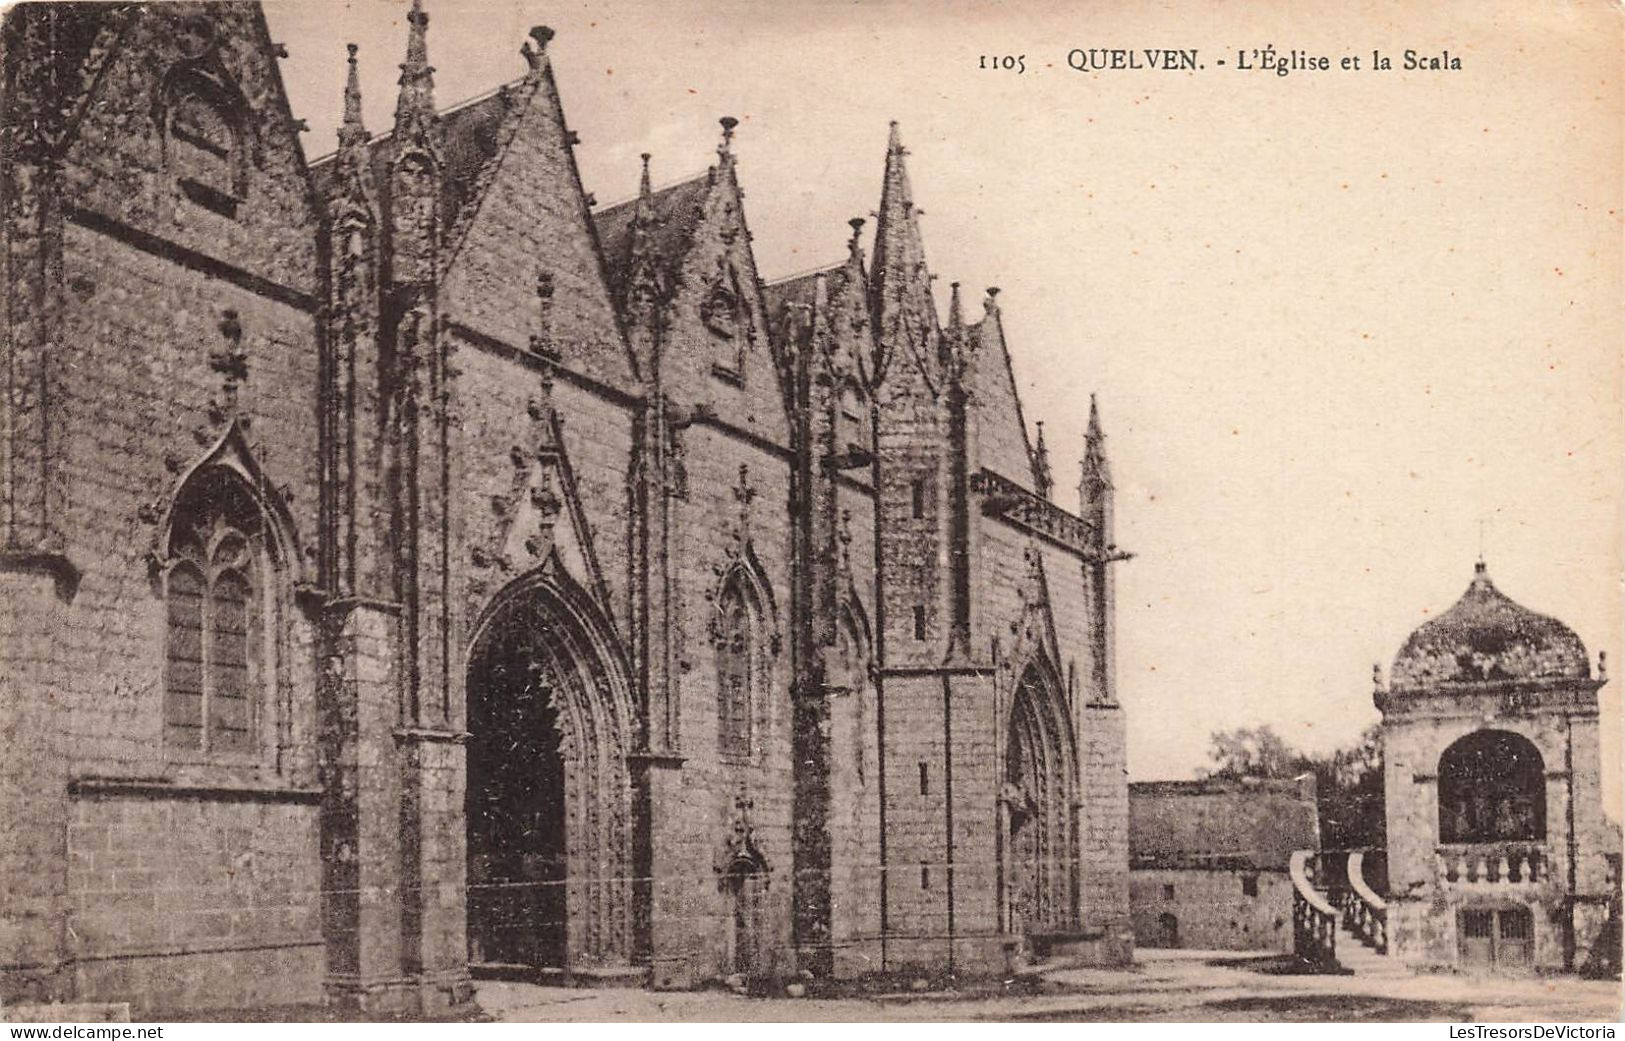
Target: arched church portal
x=548 y=797
x=1041 y=868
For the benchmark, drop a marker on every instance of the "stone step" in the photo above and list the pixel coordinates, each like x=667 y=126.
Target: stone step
x=549 y=976
x=1364 y=961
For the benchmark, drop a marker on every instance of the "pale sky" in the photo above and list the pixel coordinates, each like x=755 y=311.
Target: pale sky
x=1338 y=321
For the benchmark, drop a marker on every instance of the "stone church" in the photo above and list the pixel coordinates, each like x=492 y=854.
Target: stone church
x=411 y=570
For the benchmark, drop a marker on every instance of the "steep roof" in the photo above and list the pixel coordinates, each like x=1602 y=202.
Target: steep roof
x=677 y=211
x=1002 y=444
x=1251 y=824
x=1486 y=637
x=802 y=288
x=472 y=140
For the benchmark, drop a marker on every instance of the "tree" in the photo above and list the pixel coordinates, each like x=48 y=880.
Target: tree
x=1254 y=752
x=1348 y=782
x=1350 y=787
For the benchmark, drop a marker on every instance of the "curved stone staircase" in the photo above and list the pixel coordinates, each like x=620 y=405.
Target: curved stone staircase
x=1339 y=922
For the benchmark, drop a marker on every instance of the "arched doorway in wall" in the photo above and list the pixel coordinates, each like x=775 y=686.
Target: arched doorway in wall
x=1492 y=788
x=548 y=801
x=1041 y=869
x=745 y=883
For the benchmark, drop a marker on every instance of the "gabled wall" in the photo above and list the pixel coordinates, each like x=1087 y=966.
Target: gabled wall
x=158 y=866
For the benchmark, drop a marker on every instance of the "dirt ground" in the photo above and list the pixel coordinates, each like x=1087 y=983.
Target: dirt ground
x=1163 y=986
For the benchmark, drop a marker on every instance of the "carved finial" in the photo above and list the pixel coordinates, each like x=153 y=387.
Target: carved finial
x=541 y=341
x=1602 y=665
x=1376 y=675
x=534 y=55
x=894 y=142
x=854 y=250
x=231 y=326
x=231 y=362
x=728 y=124
x=955 y=313
x=644 y=189
x=991 y=304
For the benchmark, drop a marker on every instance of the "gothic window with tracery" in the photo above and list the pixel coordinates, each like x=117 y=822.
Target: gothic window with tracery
x=735 y=675
x=214 y=661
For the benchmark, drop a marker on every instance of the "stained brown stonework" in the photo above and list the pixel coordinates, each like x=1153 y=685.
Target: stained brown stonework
x=517 y=463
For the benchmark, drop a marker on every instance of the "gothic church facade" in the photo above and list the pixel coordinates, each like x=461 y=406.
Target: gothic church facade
x=412 y=570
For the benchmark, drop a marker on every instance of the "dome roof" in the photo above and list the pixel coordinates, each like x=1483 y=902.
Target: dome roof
x=1487 y=638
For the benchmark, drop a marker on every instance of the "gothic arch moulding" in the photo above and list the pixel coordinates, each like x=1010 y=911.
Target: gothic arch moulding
x=225 y=562
x=232 y=456
x=744 y=571
x=1038 y=819
x=558 y=592
x=550 y=814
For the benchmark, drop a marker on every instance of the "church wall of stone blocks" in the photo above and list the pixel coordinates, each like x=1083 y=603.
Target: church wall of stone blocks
x=411 y=569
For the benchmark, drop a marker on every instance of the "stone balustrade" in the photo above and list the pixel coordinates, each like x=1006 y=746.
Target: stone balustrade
x=1492 y=864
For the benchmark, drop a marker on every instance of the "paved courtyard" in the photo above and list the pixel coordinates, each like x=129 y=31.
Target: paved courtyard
x=1163 y=986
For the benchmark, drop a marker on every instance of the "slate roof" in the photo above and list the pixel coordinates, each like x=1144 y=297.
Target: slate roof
x=470 y=139
x=678 y=210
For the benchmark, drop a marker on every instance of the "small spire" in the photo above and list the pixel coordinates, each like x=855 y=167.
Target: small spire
x=641 y=249
x=351 y=130
x=991 y=304
x=956 y=319
x=417 y=48
x=897 y=258
x=854 y=248
x=1096 y=471
x=416 y=98
x=1041 y=471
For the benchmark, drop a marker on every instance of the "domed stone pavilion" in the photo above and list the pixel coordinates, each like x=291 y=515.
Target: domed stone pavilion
x=1499 y=856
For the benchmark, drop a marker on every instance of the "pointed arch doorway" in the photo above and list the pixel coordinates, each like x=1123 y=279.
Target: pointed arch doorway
x=1040 y=840
x=548 y=799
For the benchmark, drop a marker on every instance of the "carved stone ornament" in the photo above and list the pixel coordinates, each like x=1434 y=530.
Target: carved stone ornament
x=739 y=844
